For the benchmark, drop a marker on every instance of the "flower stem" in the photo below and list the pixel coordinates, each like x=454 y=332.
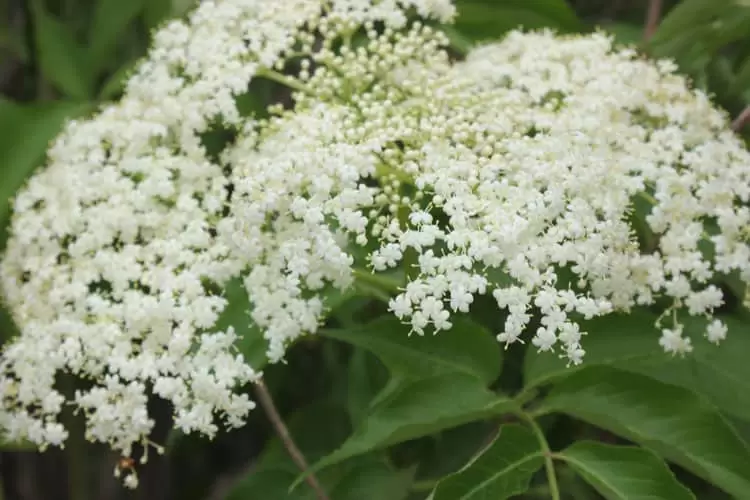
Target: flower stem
x=741 y=120
x=266 y=402
x=652 y=19
x=284 y=80
x=549 y=466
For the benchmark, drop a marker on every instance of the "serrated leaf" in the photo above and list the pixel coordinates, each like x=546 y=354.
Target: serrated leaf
x=61 y=59
x=501 y=470
x=466 y=348
x=719 y=373
x=418 y=408
x=624 y=472
x=670 y=420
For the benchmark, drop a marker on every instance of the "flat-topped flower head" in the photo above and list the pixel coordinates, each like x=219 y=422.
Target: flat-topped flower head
x=115 y=263
x=517 y=172
x=565 y=178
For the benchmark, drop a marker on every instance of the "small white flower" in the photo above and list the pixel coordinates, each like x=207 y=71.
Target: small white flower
x=716 y=331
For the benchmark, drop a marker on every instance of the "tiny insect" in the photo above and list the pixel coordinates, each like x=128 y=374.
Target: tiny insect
x=125 y=463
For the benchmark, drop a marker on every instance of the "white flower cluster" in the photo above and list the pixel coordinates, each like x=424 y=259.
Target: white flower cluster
x=115 y=263
x=521 y=172
x=517 y=172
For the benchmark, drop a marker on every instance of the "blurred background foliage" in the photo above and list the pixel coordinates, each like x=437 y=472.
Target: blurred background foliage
x=61 y=59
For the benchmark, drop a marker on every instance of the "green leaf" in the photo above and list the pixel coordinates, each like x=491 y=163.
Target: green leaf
x=158 y=11
x=365 y=376
x=362 y=478
x=452 y=449
x=490 y=19
x=502 y=470
x=25 y=133
x=371 y=477
x=741 y=81
x=719 y=373
x=155 y=12
x=624 y=472
x=625 y=33
x=694 y=30
x=466 y=348
x=250 y=341
x=317 y=429
x=267 y=482
x=670 y=420
x=61 y=59
x=418 y=408
x=111 y=19
x=115 y=83
x=612 y=339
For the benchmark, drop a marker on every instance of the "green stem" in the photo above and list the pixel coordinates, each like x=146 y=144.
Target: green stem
x=424 y=485
x=549 y=466
x=287 y=81
x=648 y=197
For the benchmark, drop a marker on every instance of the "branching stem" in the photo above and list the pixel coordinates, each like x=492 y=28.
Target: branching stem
x=266 y=402
x=549 y=466
x=741 y=120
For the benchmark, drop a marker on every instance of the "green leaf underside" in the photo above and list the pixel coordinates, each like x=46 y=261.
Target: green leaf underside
x=719 y=373
x=466 y=348
x=416 y=408
x=672 y=421
x=503 y=469
x=624 y=472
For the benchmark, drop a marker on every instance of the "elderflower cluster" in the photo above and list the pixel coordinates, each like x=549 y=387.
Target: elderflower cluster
x=566 y=179
x=521 y=172
x=117 y=256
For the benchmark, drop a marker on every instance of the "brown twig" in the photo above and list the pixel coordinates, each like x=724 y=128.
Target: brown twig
x=741 y=120
x=653 y=16
x=264 y=397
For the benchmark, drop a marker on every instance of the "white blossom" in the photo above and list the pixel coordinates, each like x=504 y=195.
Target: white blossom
x=117 y=256
x=534 y=152
x=517 y=172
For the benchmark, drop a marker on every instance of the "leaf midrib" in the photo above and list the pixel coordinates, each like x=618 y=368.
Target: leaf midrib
x=507 y=469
